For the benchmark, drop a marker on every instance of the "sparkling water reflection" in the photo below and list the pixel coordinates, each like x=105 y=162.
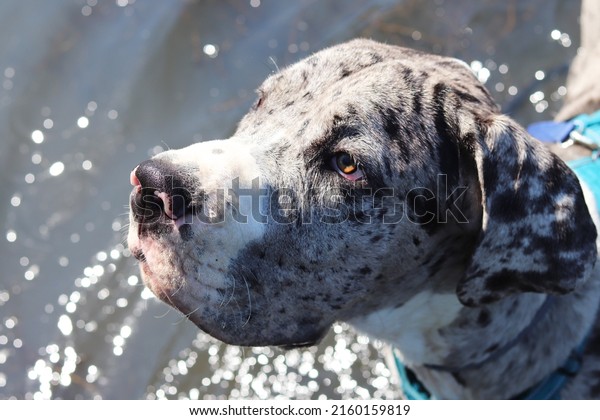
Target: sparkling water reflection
x=91 y=88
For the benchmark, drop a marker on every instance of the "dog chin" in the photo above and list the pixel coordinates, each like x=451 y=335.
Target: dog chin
x=247 y=335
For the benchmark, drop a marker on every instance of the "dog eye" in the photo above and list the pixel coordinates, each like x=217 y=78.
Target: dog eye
x=346 y=166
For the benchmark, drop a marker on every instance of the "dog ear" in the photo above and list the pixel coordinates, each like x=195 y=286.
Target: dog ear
x=537 y=234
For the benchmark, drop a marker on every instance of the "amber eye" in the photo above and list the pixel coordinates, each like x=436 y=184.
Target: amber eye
x=345 y=165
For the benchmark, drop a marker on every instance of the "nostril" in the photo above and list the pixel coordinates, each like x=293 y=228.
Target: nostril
x=167 y=204
x=146 y=205
x=158 y=190
x=179 y=205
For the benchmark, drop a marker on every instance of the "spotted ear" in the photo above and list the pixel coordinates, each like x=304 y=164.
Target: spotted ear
x=537 y=234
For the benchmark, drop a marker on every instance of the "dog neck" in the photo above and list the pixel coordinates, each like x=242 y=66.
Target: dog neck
x=496 y=351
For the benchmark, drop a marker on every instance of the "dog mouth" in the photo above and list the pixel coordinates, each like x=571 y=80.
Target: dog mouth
x=139 y=255
x=163 y=275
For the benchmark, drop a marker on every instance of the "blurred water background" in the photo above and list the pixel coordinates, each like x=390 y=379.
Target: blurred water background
x=89 y=88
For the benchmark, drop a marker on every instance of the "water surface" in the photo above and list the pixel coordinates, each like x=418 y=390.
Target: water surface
x=90 y=88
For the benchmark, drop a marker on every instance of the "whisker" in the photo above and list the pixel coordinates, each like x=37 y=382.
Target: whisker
x=249 y=301
x=231 y=296
x=272 y=59
x=163 y=315
x=189 y=314
x=166 y=145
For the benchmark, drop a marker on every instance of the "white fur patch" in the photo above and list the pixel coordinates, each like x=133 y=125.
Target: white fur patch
x=413 y=328
x=213 y=166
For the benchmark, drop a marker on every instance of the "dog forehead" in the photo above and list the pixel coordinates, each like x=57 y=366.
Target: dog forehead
x=330 y=69
x=344 y=61
x=304 y=101
x=360 y=77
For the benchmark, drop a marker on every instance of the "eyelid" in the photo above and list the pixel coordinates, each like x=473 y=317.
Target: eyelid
x=358 y=174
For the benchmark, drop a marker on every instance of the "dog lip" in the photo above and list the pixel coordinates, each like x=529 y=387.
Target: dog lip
x=292 y=346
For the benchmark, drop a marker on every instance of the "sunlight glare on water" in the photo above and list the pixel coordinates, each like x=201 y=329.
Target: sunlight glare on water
x=93 y=88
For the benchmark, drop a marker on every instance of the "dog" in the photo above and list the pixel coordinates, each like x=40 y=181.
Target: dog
x=381 y=186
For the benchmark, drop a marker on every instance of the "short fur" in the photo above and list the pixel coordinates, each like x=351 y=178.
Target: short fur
x=446 y=248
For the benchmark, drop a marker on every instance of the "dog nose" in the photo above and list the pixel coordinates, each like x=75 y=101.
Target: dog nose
x=158 y=191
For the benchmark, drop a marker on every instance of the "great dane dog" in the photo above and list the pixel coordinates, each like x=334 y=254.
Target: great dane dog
x=380 y=186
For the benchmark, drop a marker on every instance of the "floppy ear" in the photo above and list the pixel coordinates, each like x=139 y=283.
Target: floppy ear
x=536 y=232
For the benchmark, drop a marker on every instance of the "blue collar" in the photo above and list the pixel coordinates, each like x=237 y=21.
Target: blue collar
x=548 y=389
x=583 y=130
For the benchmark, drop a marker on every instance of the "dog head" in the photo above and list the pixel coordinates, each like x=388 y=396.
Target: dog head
x=362 y=175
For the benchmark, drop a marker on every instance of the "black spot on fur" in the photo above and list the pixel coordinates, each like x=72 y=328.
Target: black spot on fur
x=484 y=319
x=492 y=348
x=186 y=232
x=469 y=302
x=376 y=238
x=466 y=97
x=415 y=86
x=422 y=208
x=458 y=377
x=484 y=300
x=447 y=130
x=509 y=206
x=500 y=281
x=387 y=166
x=449 y=159
x=389 y=119
x=375 y=58
x=365 y=270
x=303 y=128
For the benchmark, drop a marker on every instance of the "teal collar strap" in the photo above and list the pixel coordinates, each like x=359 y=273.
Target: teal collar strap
x=548 y=389
x=584 y=130
x=588 y=170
